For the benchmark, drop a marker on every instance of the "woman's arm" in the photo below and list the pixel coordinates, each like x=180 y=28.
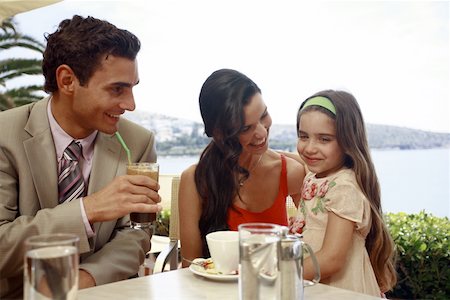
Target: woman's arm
x=189 y=205
x=336 y=244
x=294 y=156
x=295 y=174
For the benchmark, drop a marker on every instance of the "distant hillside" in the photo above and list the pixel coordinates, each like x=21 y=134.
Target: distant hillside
x=383 y=136
x=185 y=137
x=380 y=137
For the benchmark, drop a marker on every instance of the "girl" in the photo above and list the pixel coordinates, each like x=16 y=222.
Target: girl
x=238 y=178
x=340 y=202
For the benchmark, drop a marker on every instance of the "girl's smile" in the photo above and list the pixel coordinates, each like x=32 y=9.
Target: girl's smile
x=317 y=143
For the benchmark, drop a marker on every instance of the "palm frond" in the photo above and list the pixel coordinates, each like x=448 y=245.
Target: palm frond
x=8 y=25
x=11 y=68
x=14 y=67
x=25 y=91
x=18 y=63
x=11 y=40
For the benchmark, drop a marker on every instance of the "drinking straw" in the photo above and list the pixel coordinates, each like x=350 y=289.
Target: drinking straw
x=121 y=141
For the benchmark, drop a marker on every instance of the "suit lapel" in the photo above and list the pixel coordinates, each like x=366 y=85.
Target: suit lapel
x=41 y=155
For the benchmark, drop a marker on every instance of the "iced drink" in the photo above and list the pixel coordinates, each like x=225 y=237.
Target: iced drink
x=140 y=220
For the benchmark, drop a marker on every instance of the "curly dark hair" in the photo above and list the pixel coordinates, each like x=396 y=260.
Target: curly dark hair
x=222 y=99
x=81 y=43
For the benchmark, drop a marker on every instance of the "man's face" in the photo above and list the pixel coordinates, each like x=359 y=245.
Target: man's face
x=107 y=95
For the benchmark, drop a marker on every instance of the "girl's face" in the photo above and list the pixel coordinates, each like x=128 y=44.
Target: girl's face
x=317 y=143
x=254 y=135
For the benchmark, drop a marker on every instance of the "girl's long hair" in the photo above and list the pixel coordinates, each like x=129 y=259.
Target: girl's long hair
x=222 y=99
x=351 y=136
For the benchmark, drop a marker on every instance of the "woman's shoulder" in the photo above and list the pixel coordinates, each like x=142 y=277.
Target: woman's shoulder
x=190 y=169
x=293 y=165
x=275 y=156
x=272 y=154
x=291 y=158
x=292 y=155
x=271 y=160
x=189 y=172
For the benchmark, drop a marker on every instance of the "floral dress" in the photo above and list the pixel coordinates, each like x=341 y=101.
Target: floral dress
x=340 y=194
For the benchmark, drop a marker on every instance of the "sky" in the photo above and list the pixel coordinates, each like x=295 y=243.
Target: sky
x=393 y=56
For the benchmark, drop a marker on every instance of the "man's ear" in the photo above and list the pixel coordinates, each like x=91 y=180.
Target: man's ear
x=66 y=79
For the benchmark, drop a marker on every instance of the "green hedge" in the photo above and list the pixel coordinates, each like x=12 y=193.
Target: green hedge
x=423 y=248
x=423 y=261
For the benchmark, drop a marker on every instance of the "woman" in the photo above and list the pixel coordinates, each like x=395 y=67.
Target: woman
x=238 y=179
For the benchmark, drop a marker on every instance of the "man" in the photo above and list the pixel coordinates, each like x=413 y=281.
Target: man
x=90 y=70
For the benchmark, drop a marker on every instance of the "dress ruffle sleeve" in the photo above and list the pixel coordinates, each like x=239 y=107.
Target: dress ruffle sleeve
x=346 y=200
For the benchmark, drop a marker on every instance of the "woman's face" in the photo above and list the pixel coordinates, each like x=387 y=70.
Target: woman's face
x=254 y=135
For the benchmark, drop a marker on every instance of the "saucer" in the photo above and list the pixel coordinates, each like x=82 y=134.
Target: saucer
x=307 y=283
x=210 y=273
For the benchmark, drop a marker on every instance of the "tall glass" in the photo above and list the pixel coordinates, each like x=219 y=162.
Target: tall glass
x=259 y=274
x=143 y=220
x=51 y=267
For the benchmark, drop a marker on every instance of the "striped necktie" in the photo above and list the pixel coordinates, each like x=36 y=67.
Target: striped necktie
x=70 y=180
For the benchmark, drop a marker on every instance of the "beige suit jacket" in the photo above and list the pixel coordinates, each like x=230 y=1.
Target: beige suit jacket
x=29 y=200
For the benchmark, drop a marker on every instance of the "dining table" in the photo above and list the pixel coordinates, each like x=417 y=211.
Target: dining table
x=184 y=284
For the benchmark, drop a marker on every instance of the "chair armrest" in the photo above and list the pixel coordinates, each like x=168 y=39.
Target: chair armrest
x=168 y=254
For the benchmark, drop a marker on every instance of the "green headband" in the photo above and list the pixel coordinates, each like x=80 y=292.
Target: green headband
x=320 y=101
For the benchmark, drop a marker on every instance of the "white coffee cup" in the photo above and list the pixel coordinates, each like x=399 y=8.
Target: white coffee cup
x=224 y=249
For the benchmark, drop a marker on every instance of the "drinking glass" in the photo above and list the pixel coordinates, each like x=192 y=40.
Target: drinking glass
x=51 y=267
x=259 y=275
x=143 y=220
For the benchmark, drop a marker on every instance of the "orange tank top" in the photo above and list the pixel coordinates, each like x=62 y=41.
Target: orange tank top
x=276 y=214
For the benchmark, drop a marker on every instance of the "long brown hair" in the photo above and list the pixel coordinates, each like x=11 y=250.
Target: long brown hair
x=222 y=99
x=351 y=136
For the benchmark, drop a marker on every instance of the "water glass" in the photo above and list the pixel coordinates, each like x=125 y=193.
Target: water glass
x=259 y=247
x=51 y=267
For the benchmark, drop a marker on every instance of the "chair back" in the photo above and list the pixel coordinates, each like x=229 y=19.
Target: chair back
x=291 y=209
x=170 y=254
x=174 y=229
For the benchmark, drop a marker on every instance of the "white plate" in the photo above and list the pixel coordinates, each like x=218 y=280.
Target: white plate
x=307 y=283
x=199 y=270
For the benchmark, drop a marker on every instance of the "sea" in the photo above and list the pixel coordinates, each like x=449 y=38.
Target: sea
x=410 y=180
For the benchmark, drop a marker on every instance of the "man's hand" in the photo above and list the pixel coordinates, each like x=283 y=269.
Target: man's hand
x=85 y=280
x=125 y=194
